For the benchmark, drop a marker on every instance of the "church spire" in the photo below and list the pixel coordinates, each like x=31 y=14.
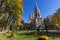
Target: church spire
x=36 y=5
x=37 y=11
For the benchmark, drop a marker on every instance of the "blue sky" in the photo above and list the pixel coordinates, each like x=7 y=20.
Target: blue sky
x=47 y=7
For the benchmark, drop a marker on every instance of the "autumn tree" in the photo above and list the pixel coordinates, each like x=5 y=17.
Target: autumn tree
x=56 y=18
x=12 y=10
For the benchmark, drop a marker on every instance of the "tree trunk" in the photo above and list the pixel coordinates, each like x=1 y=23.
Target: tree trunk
x=2 y=28
x=46 y=28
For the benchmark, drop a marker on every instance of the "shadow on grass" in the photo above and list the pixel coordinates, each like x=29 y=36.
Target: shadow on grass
x=35 y=33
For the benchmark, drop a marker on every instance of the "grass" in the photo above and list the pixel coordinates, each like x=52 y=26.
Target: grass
x=3 y=37
x=26 y=35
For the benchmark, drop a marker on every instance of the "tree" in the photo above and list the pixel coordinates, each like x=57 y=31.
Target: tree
x=12 y=8
x=56 y=18
x=46 y=25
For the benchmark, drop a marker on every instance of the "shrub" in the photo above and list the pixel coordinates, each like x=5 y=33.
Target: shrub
x=0 y=39
x=43 y=37
x=28 y=30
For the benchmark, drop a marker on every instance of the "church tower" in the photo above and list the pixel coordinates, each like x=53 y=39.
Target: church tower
x=38 y=19
x=37 y=11
x=35 y=18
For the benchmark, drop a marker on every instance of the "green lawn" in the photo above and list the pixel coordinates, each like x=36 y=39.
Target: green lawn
x=25 y=35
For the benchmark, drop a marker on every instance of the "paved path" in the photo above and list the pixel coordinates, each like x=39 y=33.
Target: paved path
x=50 y=30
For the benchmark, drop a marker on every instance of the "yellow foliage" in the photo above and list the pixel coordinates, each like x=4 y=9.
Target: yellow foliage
x=0 y=39
x=56 y=20
x=57 y=25
x=44 y=37
x=29 y=31
x=13 y=8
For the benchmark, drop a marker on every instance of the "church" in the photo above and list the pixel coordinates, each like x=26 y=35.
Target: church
x=35 y=18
